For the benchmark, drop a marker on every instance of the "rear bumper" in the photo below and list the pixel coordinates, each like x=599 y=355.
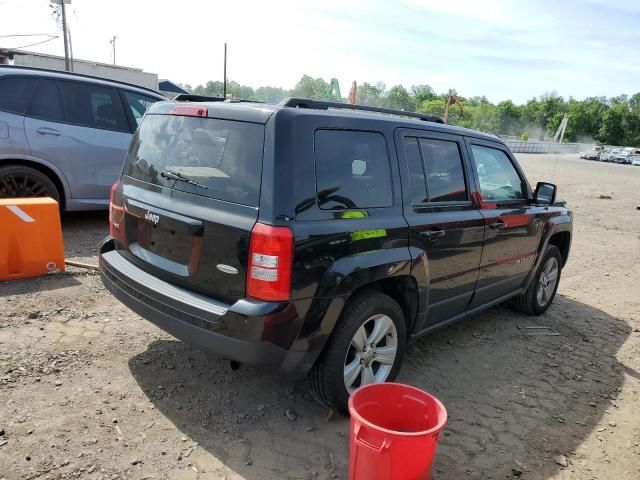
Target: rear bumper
x=249 y=331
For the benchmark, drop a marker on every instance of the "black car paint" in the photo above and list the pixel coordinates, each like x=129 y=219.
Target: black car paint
x=334 y=257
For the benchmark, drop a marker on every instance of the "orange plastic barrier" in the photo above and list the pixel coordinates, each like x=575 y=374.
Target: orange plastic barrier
x=30 y=238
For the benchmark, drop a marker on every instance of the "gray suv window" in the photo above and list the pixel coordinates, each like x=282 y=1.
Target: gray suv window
x=47 y=103
x=15 y=93
x=138 y=104
x=352 y=170
x=94 y=106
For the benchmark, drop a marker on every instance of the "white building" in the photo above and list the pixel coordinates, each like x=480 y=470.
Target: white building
x=134 y=76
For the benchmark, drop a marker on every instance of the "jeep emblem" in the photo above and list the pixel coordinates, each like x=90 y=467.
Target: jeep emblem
x=152 y=217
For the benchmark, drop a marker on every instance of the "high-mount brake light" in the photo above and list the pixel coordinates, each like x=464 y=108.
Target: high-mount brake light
x=189 y=111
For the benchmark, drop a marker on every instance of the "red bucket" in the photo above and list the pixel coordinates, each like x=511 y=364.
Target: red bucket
x=394 y=432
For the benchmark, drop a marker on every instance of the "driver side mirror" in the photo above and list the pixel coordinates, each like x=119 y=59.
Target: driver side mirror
x=545 y=193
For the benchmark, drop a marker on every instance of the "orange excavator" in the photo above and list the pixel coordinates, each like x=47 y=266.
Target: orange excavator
x=452 y=99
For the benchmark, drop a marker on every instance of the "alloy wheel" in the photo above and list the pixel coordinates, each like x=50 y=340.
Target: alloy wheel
x=547 y=281
x=372 y=353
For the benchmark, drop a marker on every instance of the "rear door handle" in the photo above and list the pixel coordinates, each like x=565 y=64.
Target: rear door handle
x=432 y=234
x=48 y=131
x=498 y=224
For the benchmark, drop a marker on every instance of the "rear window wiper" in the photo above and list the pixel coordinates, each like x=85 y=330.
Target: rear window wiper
x=170 y=174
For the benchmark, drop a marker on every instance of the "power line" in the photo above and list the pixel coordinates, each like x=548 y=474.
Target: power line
x=29 y=35
x=37 y=43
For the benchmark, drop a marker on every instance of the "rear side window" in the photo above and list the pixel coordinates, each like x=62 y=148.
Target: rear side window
x=352 y=170
x=499 y=179
x=224 y=157
x=47 y=103
x=93 y=106
x=435 y=168
x=417 y=185
x=138 y=104
x=15 y=93
x=445 y=174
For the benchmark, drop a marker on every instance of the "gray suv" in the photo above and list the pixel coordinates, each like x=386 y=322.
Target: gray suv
x=65 y=135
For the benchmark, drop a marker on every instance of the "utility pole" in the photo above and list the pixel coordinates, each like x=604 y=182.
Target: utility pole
x=224 y=81
x=113 y=43
x=64 y=34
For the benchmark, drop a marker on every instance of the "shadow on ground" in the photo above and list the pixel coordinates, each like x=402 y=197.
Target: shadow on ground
x=82 y=232
x=516 y=398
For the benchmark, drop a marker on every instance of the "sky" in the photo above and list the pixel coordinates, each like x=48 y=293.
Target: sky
x=501 y=49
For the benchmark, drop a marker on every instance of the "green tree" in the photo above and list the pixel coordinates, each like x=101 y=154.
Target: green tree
x=506 y=119
x=270 y=94
x=398 y=98
x=369 y=94
x=309 y=87
x=612 y=130
x=421 y=93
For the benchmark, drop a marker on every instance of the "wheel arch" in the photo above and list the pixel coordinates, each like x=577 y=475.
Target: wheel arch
x=562 y=240
x=50 y=172
x=403 y=289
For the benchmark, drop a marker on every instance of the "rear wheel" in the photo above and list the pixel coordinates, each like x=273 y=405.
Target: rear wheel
x=540 y=294
x=18 y=181
x=367 y=346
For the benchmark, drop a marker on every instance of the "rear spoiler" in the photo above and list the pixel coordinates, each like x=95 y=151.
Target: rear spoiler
x=190 y=97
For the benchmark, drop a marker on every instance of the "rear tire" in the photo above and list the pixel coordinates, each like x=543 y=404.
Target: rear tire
x=376 y=323
x=18 y=181
x=540 y=294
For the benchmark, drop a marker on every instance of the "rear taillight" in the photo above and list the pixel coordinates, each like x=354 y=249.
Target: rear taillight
x=270 y=259
x=116 y=214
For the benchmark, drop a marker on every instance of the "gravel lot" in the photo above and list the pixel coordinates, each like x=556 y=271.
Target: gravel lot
x=89 y=390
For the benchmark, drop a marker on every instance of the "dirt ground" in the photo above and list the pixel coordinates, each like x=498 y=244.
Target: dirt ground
x=90 y=390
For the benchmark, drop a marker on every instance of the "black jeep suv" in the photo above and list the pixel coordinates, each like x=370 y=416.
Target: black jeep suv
x=318 y=238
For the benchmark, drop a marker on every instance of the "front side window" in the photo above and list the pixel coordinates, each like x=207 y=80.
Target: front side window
x=352 y=170
x=94 y=106
x=499 y=180
x=15 y=93
x=445 y=174
x=138 y=104
x=46 y=102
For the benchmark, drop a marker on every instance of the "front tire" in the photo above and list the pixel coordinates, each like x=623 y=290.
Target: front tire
x=540 y=294
x=367 y=346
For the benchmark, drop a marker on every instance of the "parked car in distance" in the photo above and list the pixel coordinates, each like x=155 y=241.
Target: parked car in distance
x=65 y=135
x=318 y=240
x=594 y=153
x=624 y=156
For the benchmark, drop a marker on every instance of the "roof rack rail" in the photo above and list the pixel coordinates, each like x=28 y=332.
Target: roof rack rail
x=324 y=105
x=190 y=97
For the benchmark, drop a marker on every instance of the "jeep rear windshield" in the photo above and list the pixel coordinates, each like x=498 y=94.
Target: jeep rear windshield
x=218 y=158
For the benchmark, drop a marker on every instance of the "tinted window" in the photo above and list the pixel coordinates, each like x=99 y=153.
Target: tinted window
x=93 y=106
x=498 y=178
x=138 y=104
x=352 y=170
x=417 y=185
x=224 y=156
x=440 y=163
x=46 y=103
x=15 y=93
